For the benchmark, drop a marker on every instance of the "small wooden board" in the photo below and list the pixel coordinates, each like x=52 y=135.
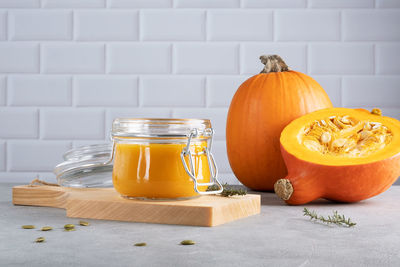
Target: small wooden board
x=106 y=204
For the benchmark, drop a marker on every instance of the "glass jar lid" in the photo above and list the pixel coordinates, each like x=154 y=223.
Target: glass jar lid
x=84 y=167
x=160 y=127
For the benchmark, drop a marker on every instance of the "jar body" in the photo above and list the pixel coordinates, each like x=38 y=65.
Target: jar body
x=154 y=170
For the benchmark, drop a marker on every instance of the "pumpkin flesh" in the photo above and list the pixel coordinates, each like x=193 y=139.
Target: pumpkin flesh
x=339 y=154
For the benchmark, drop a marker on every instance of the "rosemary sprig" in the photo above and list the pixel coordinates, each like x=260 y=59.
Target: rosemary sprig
x=228 y=190
x=336 y=218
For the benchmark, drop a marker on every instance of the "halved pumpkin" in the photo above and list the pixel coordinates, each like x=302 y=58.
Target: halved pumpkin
x=339 y=154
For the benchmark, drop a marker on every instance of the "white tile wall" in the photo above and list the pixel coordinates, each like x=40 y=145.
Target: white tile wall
x=39 y=90
x=3 y=25
x=387 y=3
x=69 y=67
x=371 y=25
x=221 y=88
x=19 y=123
x=112 y=113
x=341 y=59
x=206 y=3
x=274 y=3
x=2 y=156
x=35 y=155
x=73 y=3
x=139 y=58
x=178 y=25
x=19 y=3
x=72 y=58
x=341 y=3
x=19 y=57
x=140 y=3
x=332 y=86
x=2 y=90
x=70 y=123
x=172 y=91
x=311 y=25
x=27 y=25
x=101 y=25
x=388 y=58
x=199 y=58
x=372 y=91
x=239 y=25
x=105 y=91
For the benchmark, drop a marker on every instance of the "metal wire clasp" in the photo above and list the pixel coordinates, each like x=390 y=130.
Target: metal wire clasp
x=211 y=163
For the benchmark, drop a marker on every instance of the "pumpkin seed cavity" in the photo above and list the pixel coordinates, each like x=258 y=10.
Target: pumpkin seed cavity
x=345 y=136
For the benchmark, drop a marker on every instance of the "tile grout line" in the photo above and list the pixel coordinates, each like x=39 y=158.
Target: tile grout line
x=341 y=25
x=341 y=91
x=5 y=155
x=73 y=34
x=206 y=93
x=7 y=161
x=105 y=58
x=39 y=132
x=6 y=27
x=6 y=93
x=374 y=59
x=307 y=52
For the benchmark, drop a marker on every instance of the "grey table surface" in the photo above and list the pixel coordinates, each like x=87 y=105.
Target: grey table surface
x=279 y=236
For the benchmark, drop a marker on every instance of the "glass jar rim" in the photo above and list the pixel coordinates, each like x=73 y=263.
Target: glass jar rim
x=157 y=127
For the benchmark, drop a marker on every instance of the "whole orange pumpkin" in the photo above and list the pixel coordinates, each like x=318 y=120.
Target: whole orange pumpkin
x=260 y=109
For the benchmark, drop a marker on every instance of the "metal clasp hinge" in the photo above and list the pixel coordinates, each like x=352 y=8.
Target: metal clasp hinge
x=211 y=163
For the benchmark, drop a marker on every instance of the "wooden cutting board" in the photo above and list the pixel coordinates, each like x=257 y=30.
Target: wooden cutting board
x=107 y=204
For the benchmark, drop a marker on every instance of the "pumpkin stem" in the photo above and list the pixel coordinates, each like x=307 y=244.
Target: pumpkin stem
x=283 y=188
x=273 y=63
x=376 y=111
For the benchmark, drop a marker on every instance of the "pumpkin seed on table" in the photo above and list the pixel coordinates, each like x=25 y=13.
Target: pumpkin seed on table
x=187 y=242
x=143 y=244
x=69 y=227
x=46 y=228
x=83 y=223
x=28 y=227
x=40 y=239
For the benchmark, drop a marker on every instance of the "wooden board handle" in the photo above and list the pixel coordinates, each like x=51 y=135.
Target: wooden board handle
x=40 y=195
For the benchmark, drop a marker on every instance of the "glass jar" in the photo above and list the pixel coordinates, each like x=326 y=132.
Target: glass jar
x=163 y=158
x=86 y=166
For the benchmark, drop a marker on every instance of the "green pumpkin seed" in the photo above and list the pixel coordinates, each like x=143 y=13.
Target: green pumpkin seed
x=83 y=223
x=69 y=227
x=46 y=228
x=188 y=242
x=28 y=227
x=40 y=239
x=140 y=244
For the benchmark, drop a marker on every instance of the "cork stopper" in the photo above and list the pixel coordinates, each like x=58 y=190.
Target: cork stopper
x=273 y=63
x=283 y=188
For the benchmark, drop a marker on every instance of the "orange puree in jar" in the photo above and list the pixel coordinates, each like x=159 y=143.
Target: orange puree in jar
x=155 y=170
